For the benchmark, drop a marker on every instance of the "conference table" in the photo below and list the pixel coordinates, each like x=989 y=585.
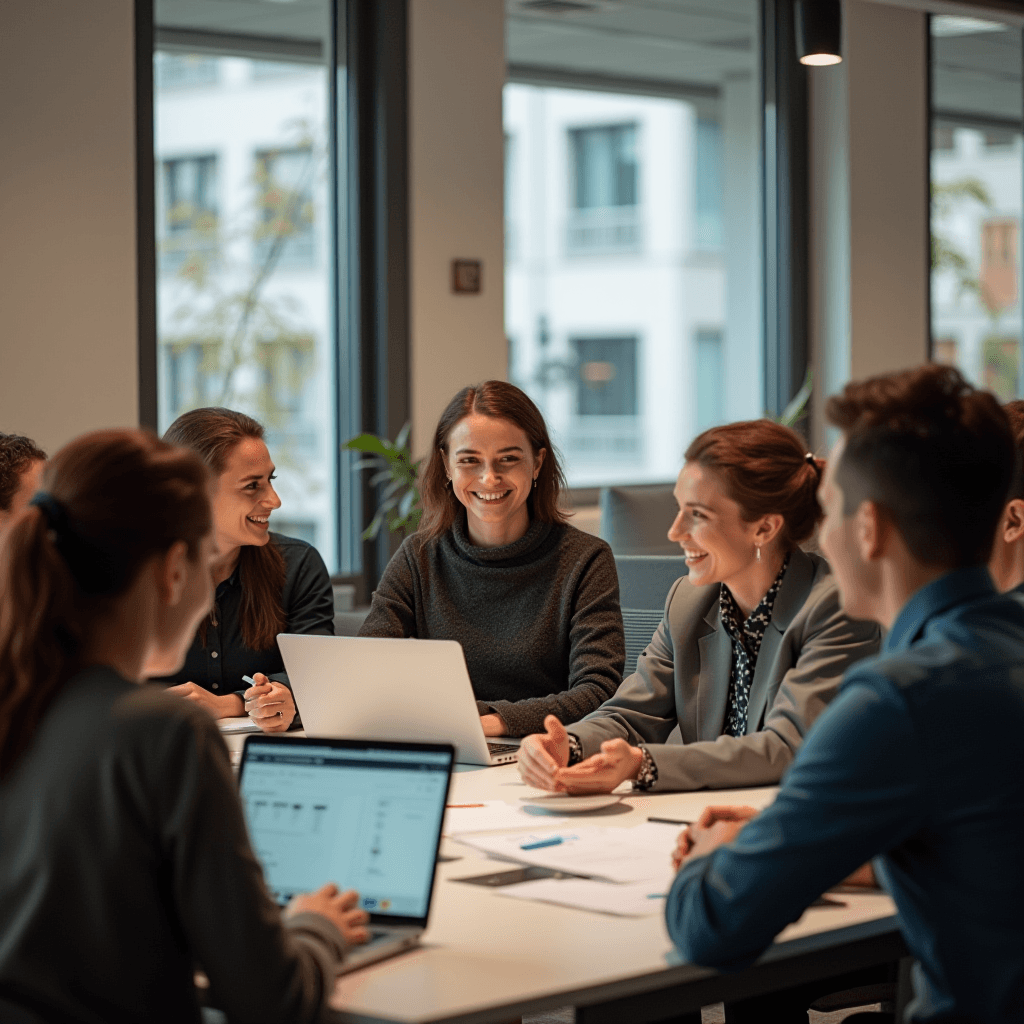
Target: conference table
x=488 y=959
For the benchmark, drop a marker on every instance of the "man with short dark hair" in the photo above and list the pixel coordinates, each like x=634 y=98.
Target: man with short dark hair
x=21 y=469
x=1007 y=560
x=917 y=762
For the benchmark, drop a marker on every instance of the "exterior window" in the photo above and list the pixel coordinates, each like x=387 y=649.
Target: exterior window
x=605 y=216
x=284 y=180
x=638 y=321
x=1001 y=366
x=1000 y=269
x=708 y=186
x=607 y=377
x=189 y=208
x=190 y=382
x=709 y=379
x=977 y=184
x=605 y=422
x=249 y=324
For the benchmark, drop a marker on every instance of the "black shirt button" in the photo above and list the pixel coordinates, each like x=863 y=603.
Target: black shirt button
x=213 y=654
x=216 y=686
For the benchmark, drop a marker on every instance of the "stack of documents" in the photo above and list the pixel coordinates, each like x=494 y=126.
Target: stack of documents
x=626 y=871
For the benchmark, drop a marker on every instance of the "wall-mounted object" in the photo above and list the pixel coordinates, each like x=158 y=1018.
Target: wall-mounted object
x=819 y=31
x=466 y=277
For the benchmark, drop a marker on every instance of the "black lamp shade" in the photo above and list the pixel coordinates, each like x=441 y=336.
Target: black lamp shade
x=819 y=30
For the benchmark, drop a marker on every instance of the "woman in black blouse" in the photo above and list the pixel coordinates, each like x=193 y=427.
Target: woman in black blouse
x=266 y=584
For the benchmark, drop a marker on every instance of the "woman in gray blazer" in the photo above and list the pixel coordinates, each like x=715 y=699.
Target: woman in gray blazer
x=753 y=644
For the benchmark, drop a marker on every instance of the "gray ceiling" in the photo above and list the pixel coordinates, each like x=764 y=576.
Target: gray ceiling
x=979 y=73
x=678 y=43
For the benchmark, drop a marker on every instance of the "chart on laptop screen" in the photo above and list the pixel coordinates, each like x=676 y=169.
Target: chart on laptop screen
x=366 y=819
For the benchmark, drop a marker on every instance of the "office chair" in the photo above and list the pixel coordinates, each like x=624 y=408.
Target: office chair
x=644 y=583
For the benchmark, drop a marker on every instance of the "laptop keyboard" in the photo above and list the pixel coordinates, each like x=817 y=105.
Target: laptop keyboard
x=502 y=748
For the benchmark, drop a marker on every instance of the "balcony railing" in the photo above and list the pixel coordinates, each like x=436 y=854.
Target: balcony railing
x=604 y=230
x=591 y=439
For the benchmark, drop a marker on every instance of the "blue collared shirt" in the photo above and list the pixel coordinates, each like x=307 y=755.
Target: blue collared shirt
x=919 y=763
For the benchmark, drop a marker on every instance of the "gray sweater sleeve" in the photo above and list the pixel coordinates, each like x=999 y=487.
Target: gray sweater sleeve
x=393 y=606
x=597 y=655
x=259 y=967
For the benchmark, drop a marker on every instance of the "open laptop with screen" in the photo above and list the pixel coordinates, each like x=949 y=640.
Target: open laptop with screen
x=366 y=815
x=395 y=689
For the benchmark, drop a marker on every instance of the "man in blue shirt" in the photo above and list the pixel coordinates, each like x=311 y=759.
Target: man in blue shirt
x=918 y=762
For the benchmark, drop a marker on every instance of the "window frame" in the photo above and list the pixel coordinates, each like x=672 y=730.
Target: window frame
x=366 y=57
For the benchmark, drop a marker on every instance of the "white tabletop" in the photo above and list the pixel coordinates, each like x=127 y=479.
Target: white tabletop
x=486 y=957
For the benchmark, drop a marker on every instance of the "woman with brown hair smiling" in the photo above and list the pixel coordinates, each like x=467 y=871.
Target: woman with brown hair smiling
x=266 y=583
x=533 y=601
x=753 y=644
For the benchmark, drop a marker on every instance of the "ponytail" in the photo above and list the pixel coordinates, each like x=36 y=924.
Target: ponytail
x=115 y=499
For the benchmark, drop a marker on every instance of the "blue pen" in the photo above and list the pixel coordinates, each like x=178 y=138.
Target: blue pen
x=553 y=841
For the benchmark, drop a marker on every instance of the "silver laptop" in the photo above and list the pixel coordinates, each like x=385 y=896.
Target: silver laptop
x=365 y=815
x=413 y=690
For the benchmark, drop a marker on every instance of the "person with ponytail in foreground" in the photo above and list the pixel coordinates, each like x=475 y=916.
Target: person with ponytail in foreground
x=266 y=583
x=124 y=858
x=753 y=644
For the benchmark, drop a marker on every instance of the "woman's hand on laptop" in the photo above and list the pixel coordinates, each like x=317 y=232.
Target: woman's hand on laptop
x=340 y=908
x=270 y=705
x=543 y=754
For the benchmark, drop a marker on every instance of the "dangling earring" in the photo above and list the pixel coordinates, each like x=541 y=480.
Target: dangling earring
x=758 y=549
x=535 y=483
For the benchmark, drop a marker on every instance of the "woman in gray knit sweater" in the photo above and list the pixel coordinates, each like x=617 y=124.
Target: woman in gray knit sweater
x=494 y=565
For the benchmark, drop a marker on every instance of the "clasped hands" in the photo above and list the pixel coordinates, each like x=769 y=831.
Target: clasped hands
x=544 y=763
x=270 y=705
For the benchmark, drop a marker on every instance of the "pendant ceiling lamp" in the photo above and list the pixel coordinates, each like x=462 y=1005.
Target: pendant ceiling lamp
x=819 y=30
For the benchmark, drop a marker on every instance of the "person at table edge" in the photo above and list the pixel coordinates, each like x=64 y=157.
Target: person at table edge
x=266 y=583
x=533 y=601
x=917 y=762
x=21 y=468
x=752 y=646
x=126 y=860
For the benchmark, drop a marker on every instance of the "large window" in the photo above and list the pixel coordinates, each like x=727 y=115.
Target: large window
x=634 y=300
x=977 y=189
x=244 y=296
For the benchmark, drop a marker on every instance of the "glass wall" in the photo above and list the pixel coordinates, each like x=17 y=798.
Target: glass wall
x=633 y=228
x=244 y=291
x=977 y=189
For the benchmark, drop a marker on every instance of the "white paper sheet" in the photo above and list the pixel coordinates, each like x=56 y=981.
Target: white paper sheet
x=491 y=815
x=614 y=854
x=637 y=899
x=229 y=726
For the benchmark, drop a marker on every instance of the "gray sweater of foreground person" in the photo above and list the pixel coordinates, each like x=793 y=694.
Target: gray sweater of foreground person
x=538 y=620
x=125 y=863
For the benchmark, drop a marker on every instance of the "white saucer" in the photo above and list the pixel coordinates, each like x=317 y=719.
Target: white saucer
x=562 y=803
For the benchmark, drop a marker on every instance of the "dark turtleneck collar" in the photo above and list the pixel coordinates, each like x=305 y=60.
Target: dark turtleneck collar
x=537 y=539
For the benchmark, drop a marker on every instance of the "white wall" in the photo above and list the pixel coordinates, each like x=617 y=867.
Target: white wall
x=869 y=207
x=68 y=360
x=456 y=74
